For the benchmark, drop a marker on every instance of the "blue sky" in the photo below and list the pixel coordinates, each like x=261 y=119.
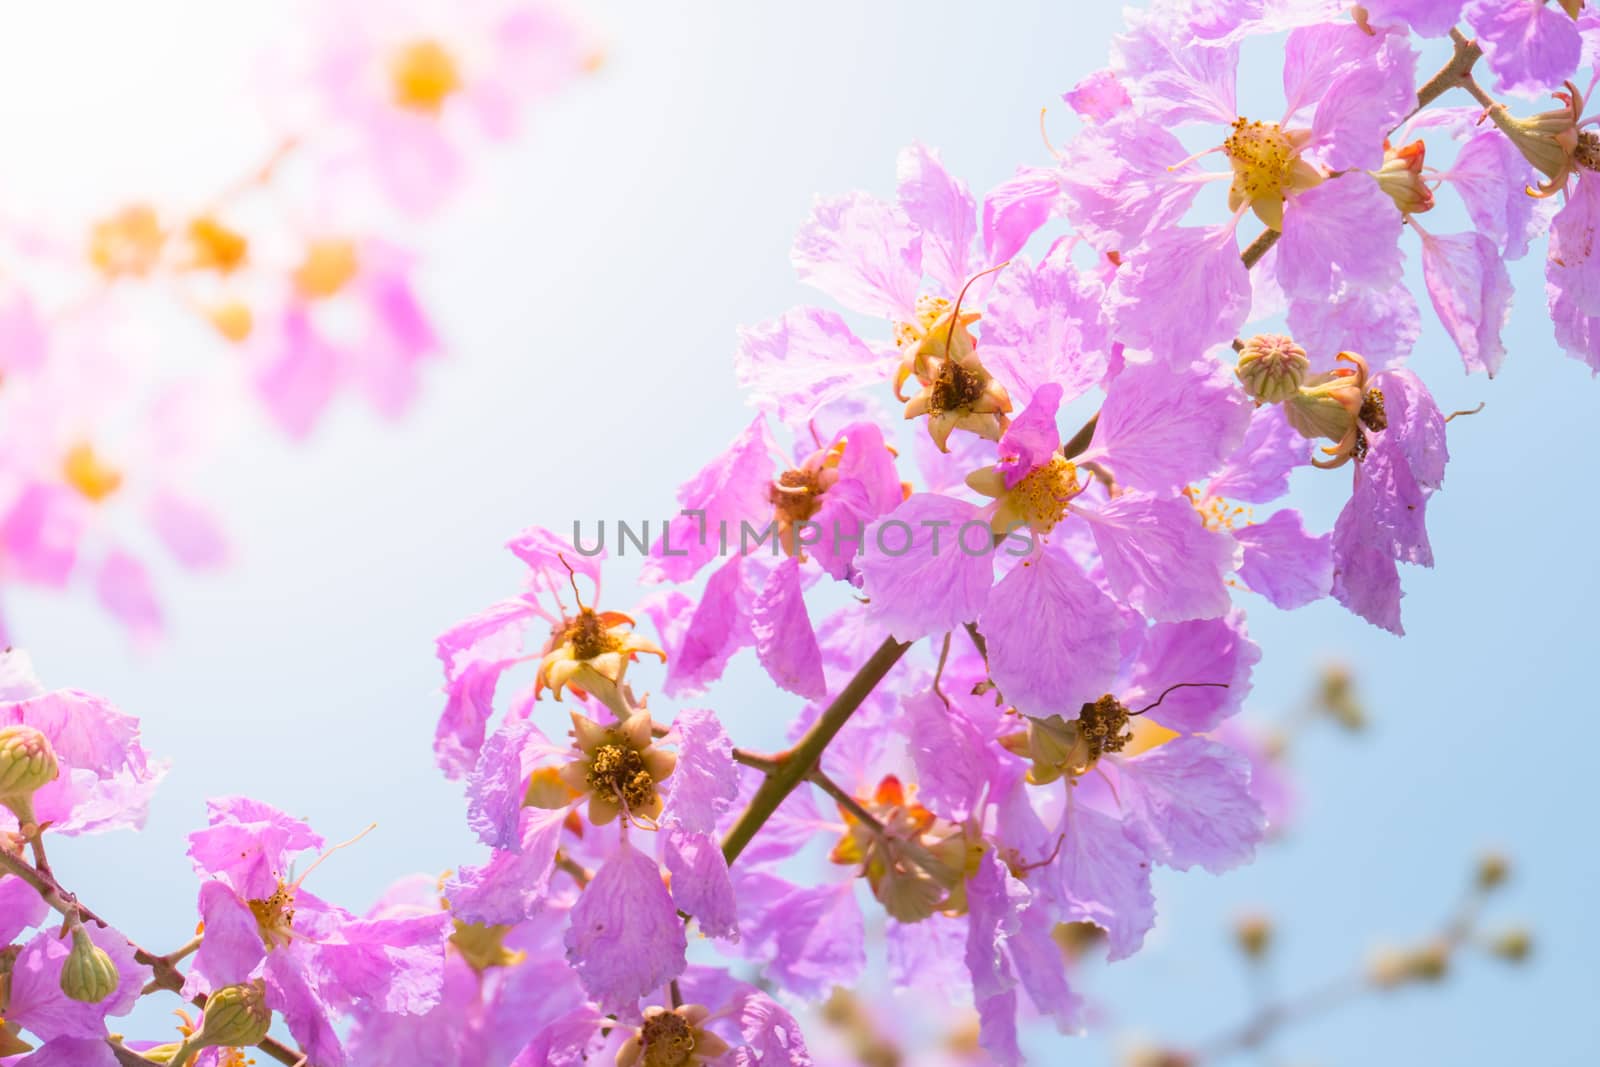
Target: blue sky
x=590 y=283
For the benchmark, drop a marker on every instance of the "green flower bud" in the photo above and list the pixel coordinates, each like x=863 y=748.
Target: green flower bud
x=88 y=975
x=1493 y=870
x=1271 y=367
x=235 y=1016
x=27 y=764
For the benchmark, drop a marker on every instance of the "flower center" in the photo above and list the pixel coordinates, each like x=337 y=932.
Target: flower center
x=588 y=636
x=930 y=309
x=1587 y=153
x=668 y=1040
x=1042 y=495
x=1216 y=512
x=275 y=916
x=1102 y=728
x=955 y=388
x=796 y=495
x=483 y=946
x=618 y=770
x=424 y=75
x=86 y=472
x=1266 y=165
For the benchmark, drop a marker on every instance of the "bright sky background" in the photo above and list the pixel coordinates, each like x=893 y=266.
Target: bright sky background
x=590 y=283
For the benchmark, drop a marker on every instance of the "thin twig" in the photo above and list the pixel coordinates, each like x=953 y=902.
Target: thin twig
x=845 y=800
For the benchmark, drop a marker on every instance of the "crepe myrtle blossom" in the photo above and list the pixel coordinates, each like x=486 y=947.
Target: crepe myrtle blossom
x=1561 y=147
x=587 y=652
x=721 y=1020
x=1390 y=427
x=1128 y=184
x=502 y=986
x=316 y=959
x=1157 y=432
x=952 y=864
x=907 y=262
x=534 y=802
x=398 y=92
x=94 y=467
x=345 y=317
x=781 y=524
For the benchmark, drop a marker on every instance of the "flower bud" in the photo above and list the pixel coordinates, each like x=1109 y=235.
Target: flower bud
x=1513 y=945
x=88 y=975
x=1271 y=367
x=1401 y=177
x=1493 y=870
x=27 y=764
x=1253 y=935
x=235 y=1016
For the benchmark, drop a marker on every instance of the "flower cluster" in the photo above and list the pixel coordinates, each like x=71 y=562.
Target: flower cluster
x=994 y=526
x=292 y=281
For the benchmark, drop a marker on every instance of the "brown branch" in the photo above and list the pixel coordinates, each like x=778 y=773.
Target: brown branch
x=797 y=763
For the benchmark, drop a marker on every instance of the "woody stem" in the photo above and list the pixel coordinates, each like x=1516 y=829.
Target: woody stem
x=1457 y=69
x=797 y=763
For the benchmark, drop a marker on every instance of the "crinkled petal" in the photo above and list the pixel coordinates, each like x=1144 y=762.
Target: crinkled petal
x=1044 y=325
x=1167 y=425
x=729 y=490
x=700 y=883
x=1471 y=291
x=1530 y=47
x=864 y=253
x=1105 y=880
x=1344 y=229
x=1200 y=651
x=705 y=782
x=513 y=885
x=1284 y=563
x=1014 y=210
x=626 y=938
x=798 y=364
x=1189 y=802
x=1052 y=635
x=1182 y=291
x=786 y=644
x=941 y=207
x=1160 y=557
x=941 y=576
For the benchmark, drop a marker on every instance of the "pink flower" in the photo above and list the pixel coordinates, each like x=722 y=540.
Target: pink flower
x=348 y=318
x=318 y=961
x=399 y=89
